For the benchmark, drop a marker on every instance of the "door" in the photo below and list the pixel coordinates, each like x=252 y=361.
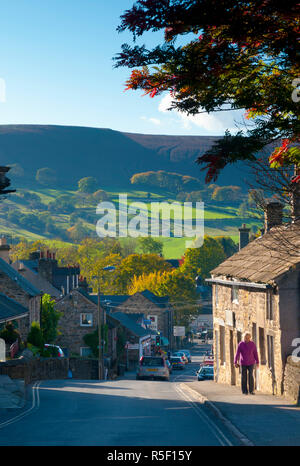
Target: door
x=232 y=369
x=217 y=354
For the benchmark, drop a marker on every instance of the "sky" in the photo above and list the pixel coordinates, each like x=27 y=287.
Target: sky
x=56 y=68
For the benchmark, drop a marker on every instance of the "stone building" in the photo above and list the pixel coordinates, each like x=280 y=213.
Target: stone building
x=42 y=270
x=15 y=286
x=80 y=317
x=258 y=290
x=155 y=309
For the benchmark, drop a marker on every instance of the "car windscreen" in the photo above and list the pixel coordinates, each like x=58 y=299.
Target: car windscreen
x=152 y=362
x=207 y=370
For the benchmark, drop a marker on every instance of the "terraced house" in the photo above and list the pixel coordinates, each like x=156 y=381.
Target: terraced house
x=258 y=290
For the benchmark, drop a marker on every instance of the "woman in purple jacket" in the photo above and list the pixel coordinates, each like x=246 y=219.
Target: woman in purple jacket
x=247 y=356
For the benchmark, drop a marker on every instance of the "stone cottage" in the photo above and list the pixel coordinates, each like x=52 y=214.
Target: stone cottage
x=258 y=290
x=80 y=317
x=16 y=287
x=156 y=309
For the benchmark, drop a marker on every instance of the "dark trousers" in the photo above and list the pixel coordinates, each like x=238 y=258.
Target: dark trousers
x=247 y=379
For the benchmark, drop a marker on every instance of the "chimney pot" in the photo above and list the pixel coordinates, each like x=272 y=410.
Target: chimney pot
x=244 y=236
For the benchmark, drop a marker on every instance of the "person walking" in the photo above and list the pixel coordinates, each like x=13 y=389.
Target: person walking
x=246 y=356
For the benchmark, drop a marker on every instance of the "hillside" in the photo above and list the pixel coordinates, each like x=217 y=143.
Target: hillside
x=113 y=157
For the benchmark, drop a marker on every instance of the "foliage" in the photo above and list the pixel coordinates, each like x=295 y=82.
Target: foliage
x=35 y=336
x=9 y=333
x=150 y=245
x=88 y=184
x=91 y=340
x=200 y=261
x=237 y=55
x=173 y=182
x=49 y=319
x=46 y=176
x=227 y=194
x=136 y=265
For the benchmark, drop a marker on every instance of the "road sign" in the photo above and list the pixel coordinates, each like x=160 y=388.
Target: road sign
x=179 y=331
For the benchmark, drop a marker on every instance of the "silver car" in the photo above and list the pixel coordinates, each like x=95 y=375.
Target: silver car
x=152 y=367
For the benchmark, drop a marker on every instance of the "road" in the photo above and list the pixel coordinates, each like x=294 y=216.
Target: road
x=112 y=413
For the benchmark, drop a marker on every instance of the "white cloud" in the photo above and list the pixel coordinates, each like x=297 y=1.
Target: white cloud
x=154 y=121
x=213 y=123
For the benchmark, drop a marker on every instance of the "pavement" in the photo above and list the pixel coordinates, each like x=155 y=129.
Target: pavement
x=12 y=393
x=256 y=420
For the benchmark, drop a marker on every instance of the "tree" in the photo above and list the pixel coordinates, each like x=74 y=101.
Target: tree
x=49 y=319
x=136 y=265
x=150 y=245
x=46 y=176
x=88 y=184
x=35 y=336
x=179 y=287
x=242 y=55
x=200 y=261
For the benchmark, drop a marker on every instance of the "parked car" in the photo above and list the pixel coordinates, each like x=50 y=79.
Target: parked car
x=205 y=373
x=188 y=354
x=182 y=355
x=170 y=367
x=152 y=367
x=55 y=350
x=208 y=361
x=177 y=362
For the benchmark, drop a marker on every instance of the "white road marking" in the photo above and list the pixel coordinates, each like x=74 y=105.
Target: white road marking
x=35 y=405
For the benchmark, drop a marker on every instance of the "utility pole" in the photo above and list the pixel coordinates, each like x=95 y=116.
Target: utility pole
x=108 y=268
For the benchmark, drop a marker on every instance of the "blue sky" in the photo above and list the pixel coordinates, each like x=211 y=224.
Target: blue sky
x=56 y=68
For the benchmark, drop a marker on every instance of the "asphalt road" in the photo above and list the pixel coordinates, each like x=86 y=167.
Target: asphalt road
x=124 y=412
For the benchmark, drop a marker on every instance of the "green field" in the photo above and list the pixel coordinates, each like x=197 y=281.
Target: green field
x=219 y=220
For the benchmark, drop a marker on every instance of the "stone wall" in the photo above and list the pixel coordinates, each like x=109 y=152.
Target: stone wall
x=292 y=380
x=72 y=333
x=11 y=289
x=232 y=318
x=35 y=369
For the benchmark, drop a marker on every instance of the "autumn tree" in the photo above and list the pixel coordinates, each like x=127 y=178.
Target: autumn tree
x=230 y=55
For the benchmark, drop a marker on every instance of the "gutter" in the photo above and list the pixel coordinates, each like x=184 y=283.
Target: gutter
x=261 y=286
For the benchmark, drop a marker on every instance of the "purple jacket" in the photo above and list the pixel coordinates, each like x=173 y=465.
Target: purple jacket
x=246 y=354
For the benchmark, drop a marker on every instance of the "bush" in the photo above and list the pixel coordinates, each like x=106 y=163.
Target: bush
x=10 y=334
x=35 y=336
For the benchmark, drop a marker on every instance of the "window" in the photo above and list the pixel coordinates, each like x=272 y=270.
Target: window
x=235 y=294
x=222 y=344
x=85 y=351
x=216 y=295
x=254 y=336
x=262 y=348
x=86 y=320
x=270 y=342
x=269 y=304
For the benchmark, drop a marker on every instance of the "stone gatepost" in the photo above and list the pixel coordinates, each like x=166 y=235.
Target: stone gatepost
x=2 y=350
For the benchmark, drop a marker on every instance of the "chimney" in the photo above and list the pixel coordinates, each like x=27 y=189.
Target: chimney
x=273 y=214
x=295 y=197
x=4 y=249
x=244 y=236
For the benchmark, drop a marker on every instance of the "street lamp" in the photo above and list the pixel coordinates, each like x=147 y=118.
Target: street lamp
x=109 y=268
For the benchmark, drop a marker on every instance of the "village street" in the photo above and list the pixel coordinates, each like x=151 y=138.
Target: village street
x=111 y=413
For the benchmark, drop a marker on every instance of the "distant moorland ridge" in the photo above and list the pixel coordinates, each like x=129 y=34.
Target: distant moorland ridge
x=110 y=156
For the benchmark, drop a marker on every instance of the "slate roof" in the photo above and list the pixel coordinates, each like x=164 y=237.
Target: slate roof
x=19 y=280
x=266 y=258
x=32 y=276
x=130 y=324
x=117 y=300
x=10 y=309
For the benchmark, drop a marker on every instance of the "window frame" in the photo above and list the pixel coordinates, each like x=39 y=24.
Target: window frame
x=86 y=314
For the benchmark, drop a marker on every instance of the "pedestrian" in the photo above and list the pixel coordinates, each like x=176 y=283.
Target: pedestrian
x=246 y=356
